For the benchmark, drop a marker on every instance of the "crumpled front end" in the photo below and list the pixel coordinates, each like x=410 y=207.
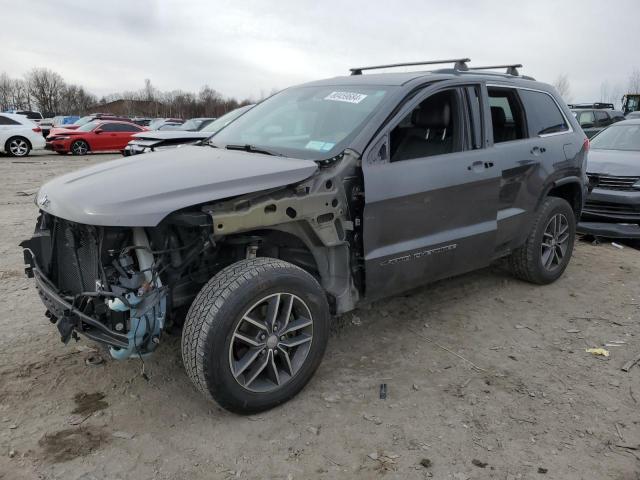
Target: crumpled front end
x=99 y=282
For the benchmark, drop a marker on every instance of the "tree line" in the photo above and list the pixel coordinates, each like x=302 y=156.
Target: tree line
x=47 y=92
x=608 y=93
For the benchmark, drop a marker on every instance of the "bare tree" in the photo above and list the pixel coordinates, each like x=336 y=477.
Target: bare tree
x=20 y=95
x=6 y=86
x=634 y=81
x=563 y=87
x=46 y=88
x=149 y=92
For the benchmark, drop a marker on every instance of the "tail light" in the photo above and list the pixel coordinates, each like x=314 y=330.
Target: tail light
x=37 y=129
x=586 y=145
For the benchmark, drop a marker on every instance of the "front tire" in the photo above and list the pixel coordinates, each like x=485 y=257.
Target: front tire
x=17 y=147
x=255 y=334
x=79 y=147
x=545 y=255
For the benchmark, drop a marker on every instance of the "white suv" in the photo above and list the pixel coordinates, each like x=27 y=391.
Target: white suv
x=19 y=135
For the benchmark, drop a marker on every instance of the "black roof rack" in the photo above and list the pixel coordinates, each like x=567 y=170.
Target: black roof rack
x=511 y=69
x=459 y=64
x=596 y=105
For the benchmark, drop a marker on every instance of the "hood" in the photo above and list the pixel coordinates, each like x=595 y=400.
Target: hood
x=143 y=189
x=63 y=131
x=614 y=162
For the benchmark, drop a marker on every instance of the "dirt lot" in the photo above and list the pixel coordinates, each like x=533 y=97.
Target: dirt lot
x=533 y=404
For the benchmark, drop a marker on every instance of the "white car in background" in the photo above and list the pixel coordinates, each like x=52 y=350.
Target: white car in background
x=19 y=135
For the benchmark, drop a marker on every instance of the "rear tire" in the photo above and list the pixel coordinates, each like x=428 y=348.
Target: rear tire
x=17 y=147
x=247 y=342
x=545 y=255
x=79 y=147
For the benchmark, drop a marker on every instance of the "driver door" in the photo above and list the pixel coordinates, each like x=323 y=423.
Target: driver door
x=431 y=192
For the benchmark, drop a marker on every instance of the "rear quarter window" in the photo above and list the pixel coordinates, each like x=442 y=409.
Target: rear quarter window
x=8 y=121
x=543 y=115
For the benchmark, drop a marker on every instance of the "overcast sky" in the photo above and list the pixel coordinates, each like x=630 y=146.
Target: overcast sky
x=243 y=48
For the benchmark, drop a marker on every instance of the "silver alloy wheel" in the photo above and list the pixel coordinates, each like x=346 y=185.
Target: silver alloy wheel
x=555 y=241
x=18 y=147
x=79 y=147
x=271 y=342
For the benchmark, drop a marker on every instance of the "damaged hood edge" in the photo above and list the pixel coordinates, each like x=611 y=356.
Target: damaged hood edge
x=141 y=190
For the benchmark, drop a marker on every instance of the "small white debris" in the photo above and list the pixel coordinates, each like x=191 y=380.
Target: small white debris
x=373 y=456
x=124 y=435
x=372 y=418
x=331 y=397
x=12 y=453
x=617 y=245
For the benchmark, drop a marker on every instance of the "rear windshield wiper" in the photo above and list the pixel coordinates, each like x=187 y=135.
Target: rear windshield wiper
x=253 y=149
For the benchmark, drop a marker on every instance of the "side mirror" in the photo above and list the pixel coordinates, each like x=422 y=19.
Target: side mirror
x=98 y=130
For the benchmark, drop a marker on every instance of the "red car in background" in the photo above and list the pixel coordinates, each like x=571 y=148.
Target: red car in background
x=95 y=136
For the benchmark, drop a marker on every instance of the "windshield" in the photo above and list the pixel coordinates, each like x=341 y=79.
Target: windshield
x=87 y=127
x=83 y=120
x=618 y=137
x=154 y=124
x=305 y=122
x=190 y=125
x=225 y=119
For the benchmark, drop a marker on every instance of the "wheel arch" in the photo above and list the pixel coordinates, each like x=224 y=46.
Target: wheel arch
x=297 y=243
x=81 y=139
x=6 y=144
x=568 y=188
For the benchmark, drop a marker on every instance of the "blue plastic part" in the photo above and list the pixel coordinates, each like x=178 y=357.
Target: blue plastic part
x=142 y=324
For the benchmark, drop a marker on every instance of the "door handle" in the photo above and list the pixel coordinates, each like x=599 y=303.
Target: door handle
x=538 y=150
x=478 y=166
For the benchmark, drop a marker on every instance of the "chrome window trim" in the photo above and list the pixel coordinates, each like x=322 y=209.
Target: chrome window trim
x=566 y=120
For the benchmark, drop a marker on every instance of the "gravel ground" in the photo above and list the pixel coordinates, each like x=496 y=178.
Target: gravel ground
x=487 y=377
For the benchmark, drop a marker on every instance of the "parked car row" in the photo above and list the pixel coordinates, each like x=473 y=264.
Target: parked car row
x=150 y=141
x=24 y=131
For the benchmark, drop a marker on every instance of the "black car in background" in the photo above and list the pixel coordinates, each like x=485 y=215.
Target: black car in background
x=612 y=208
x=595 y=117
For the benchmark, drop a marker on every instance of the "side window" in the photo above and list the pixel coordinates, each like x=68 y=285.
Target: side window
x=543 y=114
x=603 y=119
x=432 y=128
x=7 y=121
x=507 y=118
x=125 y=127
x=109 y=127
x=587 y=119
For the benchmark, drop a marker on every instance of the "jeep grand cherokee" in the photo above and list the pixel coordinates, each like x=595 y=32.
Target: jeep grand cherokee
x=321 y=197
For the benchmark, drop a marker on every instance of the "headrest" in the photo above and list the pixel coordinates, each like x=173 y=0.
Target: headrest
x=498 y=118
x=432 y=114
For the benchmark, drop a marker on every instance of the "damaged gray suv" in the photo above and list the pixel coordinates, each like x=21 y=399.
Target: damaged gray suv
x=321 y=197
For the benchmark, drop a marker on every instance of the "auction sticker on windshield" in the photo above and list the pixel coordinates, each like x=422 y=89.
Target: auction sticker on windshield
x=349 y=97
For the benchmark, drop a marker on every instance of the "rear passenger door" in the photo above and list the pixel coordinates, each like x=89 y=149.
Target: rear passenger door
x=124 y=132
x=431 y=192
x=527 y=158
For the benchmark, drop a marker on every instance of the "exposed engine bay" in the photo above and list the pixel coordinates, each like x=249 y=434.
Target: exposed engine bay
x=123 y=286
